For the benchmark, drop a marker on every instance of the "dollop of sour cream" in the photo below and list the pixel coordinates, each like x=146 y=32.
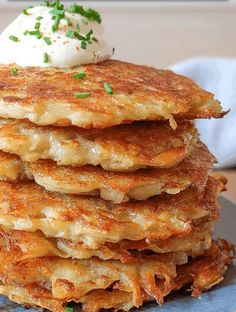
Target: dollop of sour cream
x=21 y=44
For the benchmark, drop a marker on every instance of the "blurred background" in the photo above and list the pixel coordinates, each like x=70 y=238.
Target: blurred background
x=195 y=38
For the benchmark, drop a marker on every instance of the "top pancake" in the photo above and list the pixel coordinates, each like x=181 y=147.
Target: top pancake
x=47 y=96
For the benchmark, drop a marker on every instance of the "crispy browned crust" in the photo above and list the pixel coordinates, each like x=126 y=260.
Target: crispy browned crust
x=140 y=92
x=26 y=206
x=114 y=186
x=52 y=282
x=35 y=244
x=121 y=148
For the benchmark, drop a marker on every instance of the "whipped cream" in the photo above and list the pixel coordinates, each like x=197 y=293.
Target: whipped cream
x=19 y=44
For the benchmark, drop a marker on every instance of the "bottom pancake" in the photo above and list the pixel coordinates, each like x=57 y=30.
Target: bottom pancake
x=51 y=282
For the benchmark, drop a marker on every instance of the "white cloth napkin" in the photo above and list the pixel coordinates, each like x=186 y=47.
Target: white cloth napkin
x=217 y=75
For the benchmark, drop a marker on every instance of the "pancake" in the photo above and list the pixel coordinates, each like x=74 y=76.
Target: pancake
x=53 y=282
x=47 y=96
x=122 y=148
x=112 y=186
x=38 y=245
x=93 y=221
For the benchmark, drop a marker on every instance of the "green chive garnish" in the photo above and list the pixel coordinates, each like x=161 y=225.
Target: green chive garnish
x=14 y=38
x=80 y=37
x=83 y=45
x=14 y=71
x=37 y=26
x=95 y=39
x=39 y=18
x=70 y=34
x=45 y=3
x=68 y=309
x=57 y=4
x=88 y=36
x=56 y=12
x=68 y=22
x=56 y=23
x=34 y=33
x=45 y=58
x=108 y=88
x=79 y=75
x=82 y=95
x=78 y=28
x=24 y=11
x=47 y=40
x=90 y=14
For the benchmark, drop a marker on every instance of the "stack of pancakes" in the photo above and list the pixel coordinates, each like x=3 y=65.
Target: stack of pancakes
x=109 y=200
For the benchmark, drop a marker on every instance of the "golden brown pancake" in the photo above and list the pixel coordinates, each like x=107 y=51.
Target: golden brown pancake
x=38 y=245
x=51 y=282
x=93 y=221
x=121 y=148
x=47 y=96
x=112 y=186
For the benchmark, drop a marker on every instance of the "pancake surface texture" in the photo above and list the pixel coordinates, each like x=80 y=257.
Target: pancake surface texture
x=112 y=186
x=28 y=207
x=38 y=245
x=52 y=282
x=47 y=96
x=121 y=148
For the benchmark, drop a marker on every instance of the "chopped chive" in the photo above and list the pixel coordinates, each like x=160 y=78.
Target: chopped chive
x=73 y=8
x=78 y=27
x=56 y=12
x=89 y=34
x=45 y=3
x=14 y=71
x=34 y=33
x=70 y=34
x=80 y=37
x=25 y=12
x=85 y=22
x=108 y=88
x=79 y=75
x=56 y=23
x=45 y=58
x=37 y=26
x=95 y=39
x=90 y=14
x=57 y=4
x=83 y=45
x=14 y=38
x=82 y=95
x=39 y=18
x=30 y=7
x=68 y=22
x=47 y=40
x=68 y=309
x=26 y=32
